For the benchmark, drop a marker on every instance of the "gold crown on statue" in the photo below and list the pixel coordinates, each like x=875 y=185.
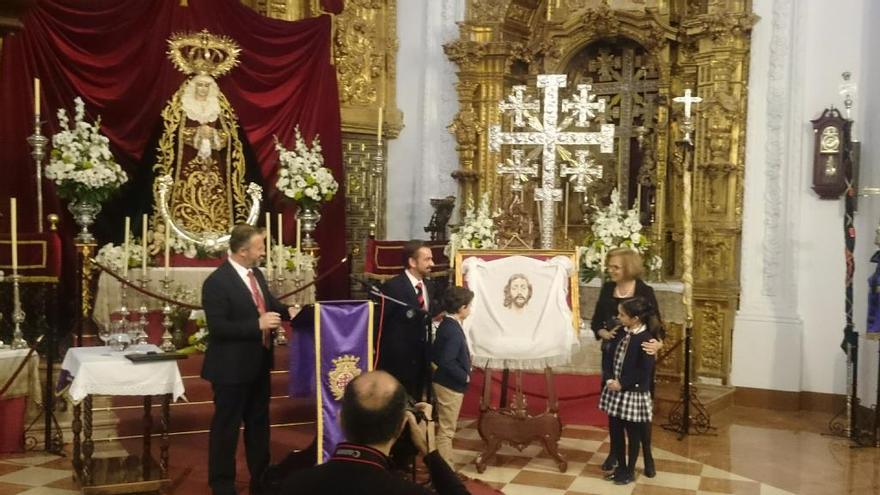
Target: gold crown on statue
x=203 y=53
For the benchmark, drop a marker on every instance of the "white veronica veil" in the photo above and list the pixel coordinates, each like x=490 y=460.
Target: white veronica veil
x=534 y=336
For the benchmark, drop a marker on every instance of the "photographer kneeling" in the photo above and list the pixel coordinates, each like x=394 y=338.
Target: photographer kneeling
x=374 y=413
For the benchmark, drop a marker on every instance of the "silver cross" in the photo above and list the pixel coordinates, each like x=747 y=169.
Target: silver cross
x=518 y=103
x=583 y=172
x=687 y=99
x=519 y=170
x=582 y=104
x=547 y=135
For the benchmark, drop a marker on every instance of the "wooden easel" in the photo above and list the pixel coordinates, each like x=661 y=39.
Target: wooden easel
x=513 y=424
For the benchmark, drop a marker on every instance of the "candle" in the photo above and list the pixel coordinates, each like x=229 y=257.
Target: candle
x=36 y=96
x=13 y=218
x=298 y=233
x=144 y=221
x=269 y=244
x=167 y=248
x=280 y=230
x=639 y=198
x=379 y=128
x=125 y=248
x=280 y=236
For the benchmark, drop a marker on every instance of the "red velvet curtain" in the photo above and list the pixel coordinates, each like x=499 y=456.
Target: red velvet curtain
x=112 y=53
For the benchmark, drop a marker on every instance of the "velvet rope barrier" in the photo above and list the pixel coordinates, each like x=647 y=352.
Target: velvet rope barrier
x=317 y=280
x=580 y=396
x=192 y=306
x=143 y=291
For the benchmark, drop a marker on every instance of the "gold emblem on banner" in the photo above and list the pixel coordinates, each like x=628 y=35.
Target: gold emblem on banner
x=345 y=368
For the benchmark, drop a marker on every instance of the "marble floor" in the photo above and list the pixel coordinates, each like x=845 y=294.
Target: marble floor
x=753 y=451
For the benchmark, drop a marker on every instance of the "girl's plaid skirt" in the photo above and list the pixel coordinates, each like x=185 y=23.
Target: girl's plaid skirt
x=628 y=406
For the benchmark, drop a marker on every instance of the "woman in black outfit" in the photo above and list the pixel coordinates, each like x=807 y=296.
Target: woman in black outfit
x=624 y=267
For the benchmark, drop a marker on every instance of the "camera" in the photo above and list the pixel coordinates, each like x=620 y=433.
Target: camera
x=418 y=413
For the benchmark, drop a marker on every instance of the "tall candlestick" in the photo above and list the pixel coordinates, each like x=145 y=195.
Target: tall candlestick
x=298 y=233
x=125 y=248
x=379 y=128
x=13 y=218
x=144 y=221
x=567 y=192
x=269 y=244
x=167 y=248
x=36 y=96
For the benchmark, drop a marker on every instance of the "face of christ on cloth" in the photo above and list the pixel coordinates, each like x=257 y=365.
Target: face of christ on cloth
x=517 y=292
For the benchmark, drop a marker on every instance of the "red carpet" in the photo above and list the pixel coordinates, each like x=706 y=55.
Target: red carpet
x=578 y=396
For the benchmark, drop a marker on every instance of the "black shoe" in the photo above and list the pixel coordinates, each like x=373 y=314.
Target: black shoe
x=609 y=464
x=610 y=477
x=624 y=479
x=650 y=470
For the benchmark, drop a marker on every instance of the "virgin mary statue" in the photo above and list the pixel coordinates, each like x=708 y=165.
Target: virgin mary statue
x=199 y=147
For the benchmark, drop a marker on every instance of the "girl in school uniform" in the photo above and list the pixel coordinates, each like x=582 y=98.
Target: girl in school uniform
x=451 y=361
x=626 y=397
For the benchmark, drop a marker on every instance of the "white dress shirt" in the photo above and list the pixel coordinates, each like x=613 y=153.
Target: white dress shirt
x=414 y=281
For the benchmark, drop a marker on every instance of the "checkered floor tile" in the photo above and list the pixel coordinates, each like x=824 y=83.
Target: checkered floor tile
x=532 y=471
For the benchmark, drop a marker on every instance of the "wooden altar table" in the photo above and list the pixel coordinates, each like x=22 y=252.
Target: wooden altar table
x=100 y=371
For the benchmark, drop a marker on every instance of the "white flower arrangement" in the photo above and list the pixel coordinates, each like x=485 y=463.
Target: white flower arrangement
x=614 y=227
x=302 y=175
x=291 y=259
x=477 y=231
x=80 y=162
x=112 y=256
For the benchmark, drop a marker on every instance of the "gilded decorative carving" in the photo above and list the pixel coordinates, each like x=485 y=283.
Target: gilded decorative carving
x=466 y=54
x=359 y=58
x=711 y=329
x=696 y=44
x=484 y=11
x=601 y=20
x=723 y=28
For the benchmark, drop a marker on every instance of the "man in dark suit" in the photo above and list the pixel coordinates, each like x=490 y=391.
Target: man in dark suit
x=404 y=348
x=241 y=315
x=373 y=417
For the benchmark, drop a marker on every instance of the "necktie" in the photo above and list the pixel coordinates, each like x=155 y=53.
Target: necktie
x=420 y=295
x=255 y=292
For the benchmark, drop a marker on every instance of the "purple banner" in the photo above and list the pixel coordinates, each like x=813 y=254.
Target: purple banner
x=344 y=349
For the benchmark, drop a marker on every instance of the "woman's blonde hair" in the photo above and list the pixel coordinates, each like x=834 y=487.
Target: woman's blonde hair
x=631 y=261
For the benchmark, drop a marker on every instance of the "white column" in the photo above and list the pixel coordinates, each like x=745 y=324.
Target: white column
x=767 y=329
x=421 y=160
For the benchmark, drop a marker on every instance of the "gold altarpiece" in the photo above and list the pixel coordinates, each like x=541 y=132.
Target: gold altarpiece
x=365 y=54
x=638 y=54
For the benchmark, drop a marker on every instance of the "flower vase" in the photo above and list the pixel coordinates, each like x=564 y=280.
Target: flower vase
x=84 y=214
x=309 y=218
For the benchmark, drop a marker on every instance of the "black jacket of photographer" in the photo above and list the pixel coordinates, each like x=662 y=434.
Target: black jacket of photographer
x=363 y=470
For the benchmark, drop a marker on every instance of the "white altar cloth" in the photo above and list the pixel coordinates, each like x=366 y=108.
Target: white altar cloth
x=101 y=371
